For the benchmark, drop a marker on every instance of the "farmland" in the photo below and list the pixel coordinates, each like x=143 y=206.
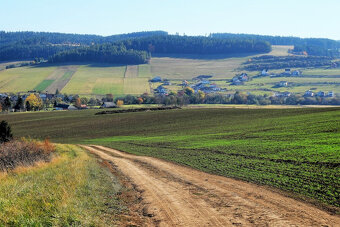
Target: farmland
x=100 y=79
x=296 y=150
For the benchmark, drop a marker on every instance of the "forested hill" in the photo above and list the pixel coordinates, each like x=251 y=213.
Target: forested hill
x=7 y=38
x=136 y=51
x=73 y=47
x=30 y=45
x=313 y=46
x=110 y=53
x=175 y=44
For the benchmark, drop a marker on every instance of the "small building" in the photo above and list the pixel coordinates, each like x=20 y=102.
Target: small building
x=283 y=84
x=156 y=79
x=296 y=73
x=43 y=97
x=72 y=107
x=62 y=106
x=109 y=105
x=320 y=94
x=244 y=77
x=161 y=90
x=282 y=94
x=239 y=79
x=330 y=94
x=264 y=72
x=287 y=72
x=309 y=93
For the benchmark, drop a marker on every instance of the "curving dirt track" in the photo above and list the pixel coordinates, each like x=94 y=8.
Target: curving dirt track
x=179 y=196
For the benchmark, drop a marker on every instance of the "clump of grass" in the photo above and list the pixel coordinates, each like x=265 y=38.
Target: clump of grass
x=24 y=153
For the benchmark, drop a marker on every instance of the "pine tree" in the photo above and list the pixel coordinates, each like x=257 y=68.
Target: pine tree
x=5 y=132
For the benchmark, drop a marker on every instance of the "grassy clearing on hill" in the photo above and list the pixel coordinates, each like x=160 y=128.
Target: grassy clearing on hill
x=72 y=190
x=296 y=150
x=189 y=66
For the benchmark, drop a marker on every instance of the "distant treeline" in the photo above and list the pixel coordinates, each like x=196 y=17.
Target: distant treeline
x=174 y=44
x=274 y=62
x=30 y=45
x=183 y=98
x=133 y=48
x=110 y=53
x=312 y=46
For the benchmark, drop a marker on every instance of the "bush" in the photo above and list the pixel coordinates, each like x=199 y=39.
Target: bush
x=23 y=153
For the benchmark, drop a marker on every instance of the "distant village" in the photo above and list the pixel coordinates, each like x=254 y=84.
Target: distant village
x=202 y=83
x=34 y=100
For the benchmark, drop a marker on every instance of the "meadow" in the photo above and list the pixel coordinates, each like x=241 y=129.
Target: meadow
x=296 y=150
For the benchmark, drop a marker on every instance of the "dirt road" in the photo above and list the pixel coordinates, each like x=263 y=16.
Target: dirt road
x=179 y=196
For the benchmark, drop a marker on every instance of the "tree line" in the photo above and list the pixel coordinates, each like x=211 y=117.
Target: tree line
x=312 y=46
x=174 y=44
x=110 y=53
x=188 y=96
x=275 y=62
x=30 y=45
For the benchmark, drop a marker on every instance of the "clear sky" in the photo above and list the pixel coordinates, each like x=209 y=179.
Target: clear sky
x=304 y=18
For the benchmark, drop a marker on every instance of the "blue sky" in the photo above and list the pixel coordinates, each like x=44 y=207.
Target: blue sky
x=304 y=18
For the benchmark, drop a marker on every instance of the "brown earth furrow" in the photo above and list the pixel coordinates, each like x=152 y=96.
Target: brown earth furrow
x=181 y=196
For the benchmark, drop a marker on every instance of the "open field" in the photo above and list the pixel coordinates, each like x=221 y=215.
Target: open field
x=71 y=190
x=23 y=78
x=180 y=196
x=131 y=71
x=296 y=150
x=189 y=66
x=61 y=76
x=103 y=79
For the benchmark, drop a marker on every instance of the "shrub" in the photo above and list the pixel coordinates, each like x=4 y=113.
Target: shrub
x=24 y=152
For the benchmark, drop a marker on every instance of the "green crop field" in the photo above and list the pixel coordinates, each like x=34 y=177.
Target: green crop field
x=297 y=150
x=43 y=85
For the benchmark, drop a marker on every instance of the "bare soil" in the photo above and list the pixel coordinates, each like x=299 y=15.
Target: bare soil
x=175 y=195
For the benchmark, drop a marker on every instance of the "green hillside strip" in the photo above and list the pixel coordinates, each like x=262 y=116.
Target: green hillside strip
x=72 y=190
x=296 y=150
x=43 y=85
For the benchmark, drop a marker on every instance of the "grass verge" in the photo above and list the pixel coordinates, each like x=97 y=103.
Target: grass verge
x=71 y=190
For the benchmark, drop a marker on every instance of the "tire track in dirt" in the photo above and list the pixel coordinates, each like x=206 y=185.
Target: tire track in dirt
x=181 y=196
